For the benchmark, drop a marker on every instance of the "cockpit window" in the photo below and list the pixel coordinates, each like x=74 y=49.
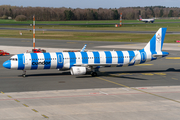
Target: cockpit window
x=14 y=59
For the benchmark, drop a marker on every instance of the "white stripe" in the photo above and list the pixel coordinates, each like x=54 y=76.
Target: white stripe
x=90 y=57
x=147 y=47
x=40 y=59
x=79 y=58
x=66 y=64
x=138 y=58
x=158 y=40
x=102 y=57
x=14 y=64
x=53 y=60
x=148 y=55
x=114 y=57
x=126 y=58
x=27 y=61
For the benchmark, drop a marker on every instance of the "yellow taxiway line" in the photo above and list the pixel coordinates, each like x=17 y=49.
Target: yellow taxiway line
x=175 y=58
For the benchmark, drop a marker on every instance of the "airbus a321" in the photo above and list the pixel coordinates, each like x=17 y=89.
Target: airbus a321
x=80 y=62
x=146 y=20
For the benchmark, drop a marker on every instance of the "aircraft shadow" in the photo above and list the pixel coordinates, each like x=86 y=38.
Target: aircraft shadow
x=145 y=71
x=107 y=74
x=46 y=74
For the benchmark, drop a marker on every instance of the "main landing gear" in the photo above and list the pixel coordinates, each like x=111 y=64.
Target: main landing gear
x=93 y=74
x=24 y=73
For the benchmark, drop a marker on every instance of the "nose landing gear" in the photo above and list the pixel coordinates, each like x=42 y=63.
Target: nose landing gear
x=24 y=73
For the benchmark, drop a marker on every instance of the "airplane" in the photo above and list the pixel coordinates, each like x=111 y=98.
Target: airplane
x=146 y=20
x=80 y=62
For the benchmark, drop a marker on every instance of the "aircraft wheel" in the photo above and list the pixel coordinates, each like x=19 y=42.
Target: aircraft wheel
x=24 y=75
x=93 y=74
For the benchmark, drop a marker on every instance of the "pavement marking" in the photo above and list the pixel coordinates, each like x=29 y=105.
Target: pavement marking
x=17 y=100
x=147 y=74
x=2 y=92
x=25 y=105
x=103 y=93
x=137 y=89
x=9 y=96
x=175 y=78
x=143 y=64
x=175 y=58
x=125 y=74
x=34 y=110
x=160 y=73
x=125 y=89
x=45 y=116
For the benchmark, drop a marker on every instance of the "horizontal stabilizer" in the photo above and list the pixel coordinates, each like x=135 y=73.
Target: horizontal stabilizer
x=157 y=55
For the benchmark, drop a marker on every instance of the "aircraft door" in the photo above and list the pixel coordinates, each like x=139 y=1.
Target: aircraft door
x=59 y=61
x=60 y=58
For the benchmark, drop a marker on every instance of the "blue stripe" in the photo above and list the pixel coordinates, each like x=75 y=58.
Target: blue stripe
x=47 y=60
x=72 y=57
x=143 y=56
x=84 y=57
x=131 y=56
x=120 y=58
x=20 y=62
x=34 y=64
x=163 y=36
x=108 y=57
x=60 y=61
x=96 y=55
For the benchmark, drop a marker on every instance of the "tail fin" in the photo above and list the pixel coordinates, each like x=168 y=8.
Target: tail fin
x=156 y=43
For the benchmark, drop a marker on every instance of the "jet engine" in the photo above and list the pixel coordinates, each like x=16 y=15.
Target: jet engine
x=78 y=70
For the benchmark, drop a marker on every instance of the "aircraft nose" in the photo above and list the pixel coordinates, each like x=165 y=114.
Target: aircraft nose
x=7 y=64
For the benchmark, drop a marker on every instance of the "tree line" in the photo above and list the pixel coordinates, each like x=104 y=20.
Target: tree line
x=61 y=14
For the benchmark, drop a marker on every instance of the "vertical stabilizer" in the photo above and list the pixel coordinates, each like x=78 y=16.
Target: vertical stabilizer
x=156 y=43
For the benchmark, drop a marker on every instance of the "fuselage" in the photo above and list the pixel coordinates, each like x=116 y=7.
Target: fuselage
x=66 y=60
x=147 y=20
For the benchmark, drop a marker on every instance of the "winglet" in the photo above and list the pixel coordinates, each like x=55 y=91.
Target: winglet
x=84 y=47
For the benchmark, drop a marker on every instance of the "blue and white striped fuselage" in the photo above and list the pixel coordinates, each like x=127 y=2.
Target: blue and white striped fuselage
x=66 y=60
x=80 y=62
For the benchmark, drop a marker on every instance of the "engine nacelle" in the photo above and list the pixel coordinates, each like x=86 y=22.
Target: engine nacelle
x=78 y=70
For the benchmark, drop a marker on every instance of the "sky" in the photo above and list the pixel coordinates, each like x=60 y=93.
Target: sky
x=91 y=3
